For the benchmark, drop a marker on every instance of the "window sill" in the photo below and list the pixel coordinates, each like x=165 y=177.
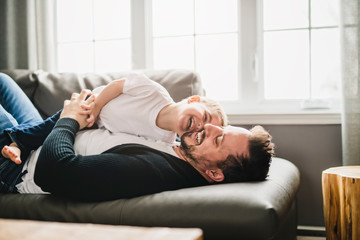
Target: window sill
x=295 y=118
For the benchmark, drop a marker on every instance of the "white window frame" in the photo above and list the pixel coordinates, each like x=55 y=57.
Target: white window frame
x=251 y=107
x=257 y=109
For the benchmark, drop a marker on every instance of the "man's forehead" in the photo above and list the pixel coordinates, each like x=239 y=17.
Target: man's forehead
x=235 y=129
x=240 y=143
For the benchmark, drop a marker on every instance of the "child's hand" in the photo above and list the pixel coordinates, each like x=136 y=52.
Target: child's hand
x=91 y=109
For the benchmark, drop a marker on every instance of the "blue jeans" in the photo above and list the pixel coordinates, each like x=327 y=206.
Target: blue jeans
x=20 y=122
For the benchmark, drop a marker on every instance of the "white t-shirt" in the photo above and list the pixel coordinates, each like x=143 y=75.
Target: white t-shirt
x=136 y=109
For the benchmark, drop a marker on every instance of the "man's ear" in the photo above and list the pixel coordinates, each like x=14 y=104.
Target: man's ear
x=216 y=175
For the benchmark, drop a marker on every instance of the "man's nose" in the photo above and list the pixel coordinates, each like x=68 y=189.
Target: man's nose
x=212 y=129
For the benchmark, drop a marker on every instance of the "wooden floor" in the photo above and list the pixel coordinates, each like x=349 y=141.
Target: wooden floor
x=38 y=230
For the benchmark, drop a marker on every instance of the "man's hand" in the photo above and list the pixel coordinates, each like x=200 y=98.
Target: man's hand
x=92 y=110
x=72 y=107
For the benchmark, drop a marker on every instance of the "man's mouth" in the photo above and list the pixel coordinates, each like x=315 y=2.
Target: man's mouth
x=199 y=137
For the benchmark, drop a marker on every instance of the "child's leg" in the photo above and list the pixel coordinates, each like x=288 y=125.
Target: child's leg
x=6 y=121
x=15 y=102
x=12 y=152
x=8 y=170
x=17 y=109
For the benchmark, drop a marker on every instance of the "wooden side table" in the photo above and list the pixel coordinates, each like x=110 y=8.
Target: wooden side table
x=38 y=230
x=341 y=199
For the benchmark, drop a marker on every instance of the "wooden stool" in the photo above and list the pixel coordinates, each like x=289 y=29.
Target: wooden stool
x=341 y=198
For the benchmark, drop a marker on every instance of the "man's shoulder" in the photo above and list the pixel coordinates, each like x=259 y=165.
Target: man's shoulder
x=145 y=156
x=149 y=161
x=136 y=148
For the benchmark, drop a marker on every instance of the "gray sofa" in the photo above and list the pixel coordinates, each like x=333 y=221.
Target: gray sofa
x=256 y=210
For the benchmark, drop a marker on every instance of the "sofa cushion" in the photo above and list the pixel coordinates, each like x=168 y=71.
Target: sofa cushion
x=252 y=210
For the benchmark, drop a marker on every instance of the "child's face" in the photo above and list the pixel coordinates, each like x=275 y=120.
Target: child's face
x=193 y=116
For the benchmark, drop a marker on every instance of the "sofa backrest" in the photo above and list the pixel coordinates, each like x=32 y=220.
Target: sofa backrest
x=48 y=90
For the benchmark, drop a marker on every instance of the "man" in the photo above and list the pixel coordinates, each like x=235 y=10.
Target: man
x=132 y=169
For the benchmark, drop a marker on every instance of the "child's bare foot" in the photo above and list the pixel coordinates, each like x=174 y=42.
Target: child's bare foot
x=12 y=152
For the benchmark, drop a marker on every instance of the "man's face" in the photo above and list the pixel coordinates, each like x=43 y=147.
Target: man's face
x=214 y=144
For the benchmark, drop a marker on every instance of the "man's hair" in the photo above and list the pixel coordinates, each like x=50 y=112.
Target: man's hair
x=255 y=167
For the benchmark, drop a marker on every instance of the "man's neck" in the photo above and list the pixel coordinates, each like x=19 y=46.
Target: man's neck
x=177 y=150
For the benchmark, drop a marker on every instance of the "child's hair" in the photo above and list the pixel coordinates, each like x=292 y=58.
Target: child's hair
x=213 y=106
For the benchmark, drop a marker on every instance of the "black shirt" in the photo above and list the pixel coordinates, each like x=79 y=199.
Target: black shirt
x=124 y=171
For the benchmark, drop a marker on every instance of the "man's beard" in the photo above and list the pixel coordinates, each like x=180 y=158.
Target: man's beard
x=188 y=150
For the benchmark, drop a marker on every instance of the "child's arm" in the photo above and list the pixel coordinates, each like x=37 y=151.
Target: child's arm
x=111 y=91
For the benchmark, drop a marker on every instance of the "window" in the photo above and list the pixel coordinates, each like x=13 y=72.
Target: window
x=200 y=35
x=93 y=35
x=264 y=56
x=303 y=39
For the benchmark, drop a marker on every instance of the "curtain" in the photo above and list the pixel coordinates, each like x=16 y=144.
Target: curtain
x=350 y=35
x=27 y=38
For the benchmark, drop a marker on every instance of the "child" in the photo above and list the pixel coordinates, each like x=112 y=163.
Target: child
x=140 y=106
